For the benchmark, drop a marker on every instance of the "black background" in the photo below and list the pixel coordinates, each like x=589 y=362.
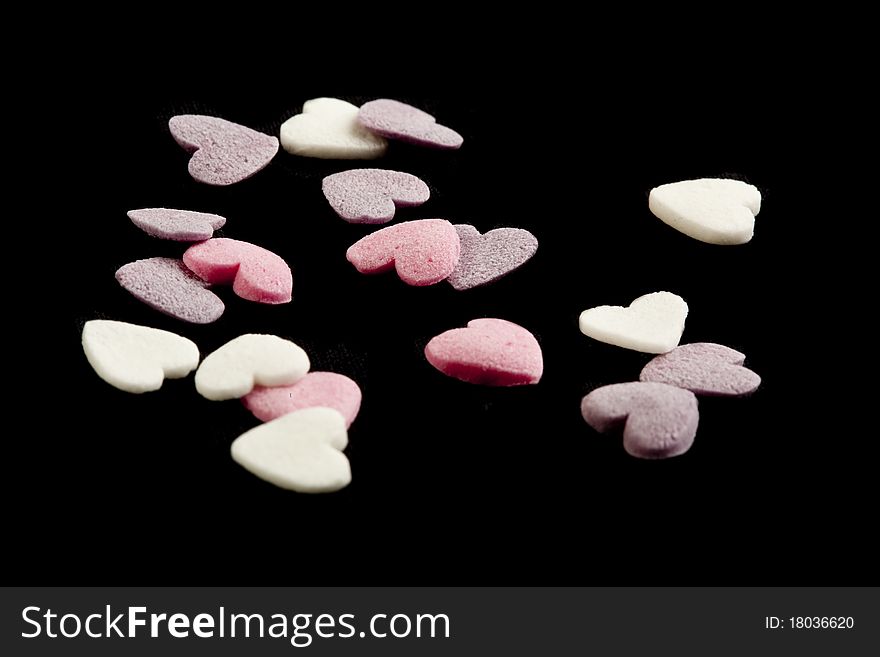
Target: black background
x=452 y=483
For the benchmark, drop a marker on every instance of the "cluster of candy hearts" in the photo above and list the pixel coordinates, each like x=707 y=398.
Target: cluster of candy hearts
x=430 y=251
x=306 y=414
x=334 y=129
x=179 y=288
x=659 y=413
x=300 y=446
x=224 y=153
x=717 y=211
x=426 y=251
x=712 y=210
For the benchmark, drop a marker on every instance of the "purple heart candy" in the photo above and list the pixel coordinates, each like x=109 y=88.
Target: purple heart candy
x=223 y=152
x=168 y=286
x=658 y=420
x=396 y=120
x=369 y=196
x=488 y=257
x=704 y=368
x=178 y=225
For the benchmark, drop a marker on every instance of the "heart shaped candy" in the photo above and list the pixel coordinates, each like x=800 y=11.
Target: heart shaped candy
x=488 y=257
x=137 y=358
x=703 y=368
x=168 y=286
x=328 y=128
x=424 y=252
x=396 y=120
x=492 y=352
x=659 y=420
x=223 y=152
x=178 y=225
x=300 y=451
x=653 y=323
x=255 y=273
x=251 y=359
x=713 y=210
x=369 y=196
x=314 y=389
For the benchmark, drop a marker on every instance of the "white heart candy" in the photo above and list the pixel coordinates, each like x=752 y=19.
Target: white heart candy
x=328 y=128
x=713 y=210
x=251 y=359
x=300 y=451
x=137 y=358
x=652 y=323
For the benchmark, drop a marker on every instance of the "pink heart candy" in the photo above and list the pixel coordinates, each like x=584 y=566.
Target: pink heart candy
x=492 y=352
x=396 y=120
x=179 y=225
x=704 y=368
x=314 y=389
x=223 y=152
x=424 y=252
x=369 y=196
x=255 y=273
x=658 y=420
